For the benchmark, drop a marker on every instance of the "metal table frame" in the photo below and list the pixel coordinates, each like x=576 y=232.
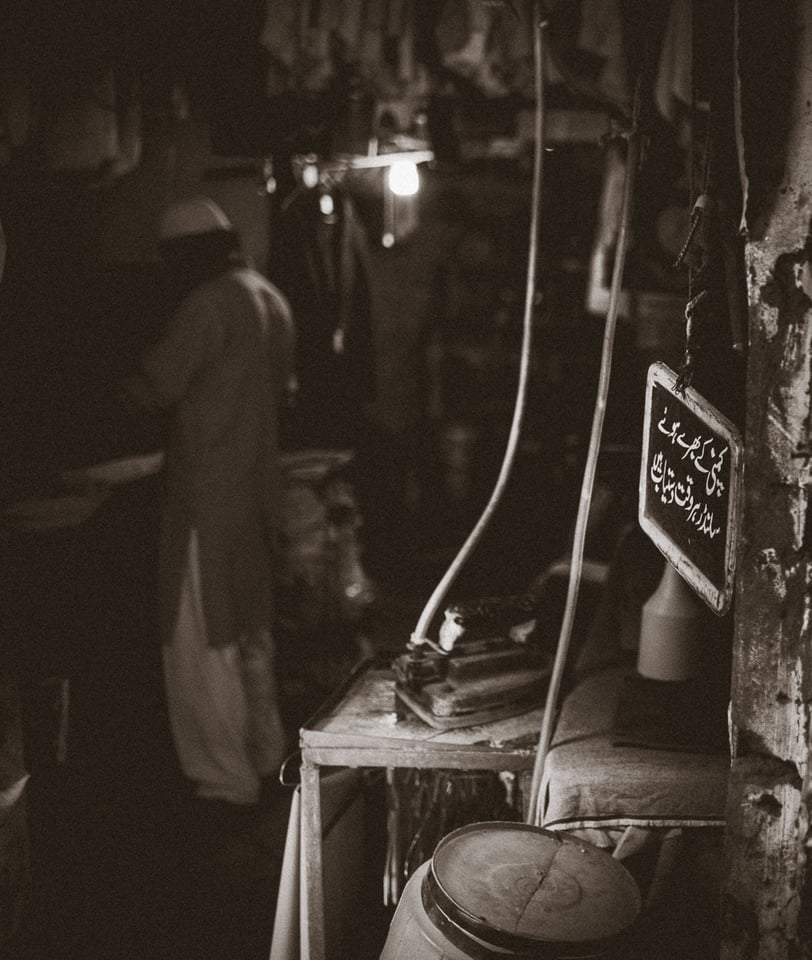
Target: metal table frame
x=335 y=738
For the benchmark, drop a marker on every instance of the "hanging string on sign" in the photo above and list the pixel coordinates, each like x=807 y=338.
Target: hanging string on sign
x=695 y=252
x=715 y=316
x=687 y=365
x=696 y=255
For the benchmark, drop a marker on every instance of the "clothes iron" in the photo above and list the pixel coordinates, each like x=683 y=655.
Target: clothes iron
x=486 y=666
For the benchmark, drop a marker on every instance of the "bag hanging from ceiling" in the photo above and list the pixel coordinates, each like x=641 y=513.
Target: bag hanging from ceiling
x=488 y=44
x=462 y=37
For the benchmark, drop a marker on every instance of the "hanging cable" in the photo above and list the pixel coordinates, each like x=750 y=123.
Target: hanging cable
x=590 y=468
x=420 y=634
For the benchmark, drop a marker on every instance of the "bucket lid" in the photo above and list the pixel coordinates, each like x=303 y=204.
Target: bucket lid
x=532 y=890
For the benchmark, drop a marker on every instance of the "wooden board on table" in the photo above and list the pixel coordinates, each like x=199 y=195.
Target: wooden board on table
x=363 y=713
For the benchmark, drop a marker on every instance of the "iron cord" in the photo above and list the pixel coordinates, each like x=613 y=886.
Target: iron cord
x=420 y=634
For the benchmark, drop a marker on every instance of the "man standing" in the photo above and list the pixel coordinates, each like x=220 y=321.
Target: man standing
x=220 y=369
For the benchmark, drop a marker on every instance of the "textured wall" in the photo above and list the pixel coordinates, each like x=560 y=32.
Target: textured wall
x=769 y=795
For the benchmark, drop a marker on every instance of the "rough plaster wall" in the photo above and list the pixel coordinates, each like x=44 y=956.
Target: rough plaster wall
x=769 y=796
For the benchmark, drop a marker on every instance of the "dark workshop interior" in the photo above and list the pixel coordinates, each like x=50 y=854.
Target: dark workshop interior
x=457 y=205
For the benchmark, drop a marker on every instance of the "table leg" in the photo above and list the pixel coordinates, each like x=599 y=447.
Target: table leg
x=311 y=903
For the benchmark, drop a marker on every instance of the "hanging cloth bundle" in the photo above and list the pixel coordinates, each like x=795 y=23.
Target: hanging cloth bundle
x=322 y=267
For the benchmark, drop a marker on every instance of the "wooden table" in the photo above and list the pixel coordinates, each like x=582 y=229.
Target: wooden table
x=360 y=727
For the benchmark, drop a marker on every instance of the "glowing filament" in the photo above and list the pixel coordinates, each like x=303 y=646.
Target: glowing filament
x=403 y=178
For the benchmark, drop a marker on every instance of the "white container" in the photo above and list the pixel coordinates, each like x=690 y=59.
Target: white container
x=494 y=890
x=670 y=627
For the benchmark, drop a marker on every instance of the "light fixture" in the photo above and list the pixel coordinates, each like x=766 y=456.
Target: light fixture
x=326 y=204
x=399 y=185
x=403 y=178
x=310 y=175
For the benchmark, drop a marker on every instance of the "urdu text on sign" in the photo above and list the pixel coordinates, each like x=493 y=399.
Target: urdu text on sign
x=690 y=485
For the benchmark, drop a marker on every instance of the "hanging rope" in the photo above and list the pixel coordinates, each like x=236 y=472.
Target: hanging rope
x=420 y=634
x=579 y=537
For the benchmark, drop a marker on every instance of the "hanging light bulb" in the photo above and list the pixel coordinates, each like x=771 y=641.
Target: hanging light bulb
x=267 y=181
x=326 y=205
x=403 y=178
x=310 y=175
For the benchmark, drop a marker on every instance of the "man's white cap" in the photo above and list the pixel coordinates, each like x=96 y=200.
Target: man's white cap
x=192 y=217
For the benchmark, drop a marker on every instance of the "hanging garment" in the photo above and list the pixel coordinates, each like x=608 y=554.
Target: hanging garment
x=510 y=48
x=601 y=34
x=673 y=83
x=347 y=23
x=322 y=263
x=401 y=29
x=372 y=34
x=463 y=36
x=281 y=33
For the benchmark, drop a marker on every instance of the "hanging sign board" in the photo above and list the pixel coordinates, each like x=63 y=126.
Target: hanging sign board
x=690 y=481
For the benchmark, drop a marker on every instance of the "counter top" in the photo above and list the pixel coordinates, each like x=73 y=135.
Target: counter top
x=362 y=716
x=590 y=781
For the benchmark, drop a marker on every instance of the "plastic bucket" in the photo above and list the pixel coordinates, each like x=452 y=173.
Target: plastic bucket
x=494 y=890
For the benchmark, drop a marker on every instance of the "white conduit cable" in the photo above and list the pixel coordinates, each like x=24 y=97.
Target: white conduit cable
x=590 y=467
x=420 y=634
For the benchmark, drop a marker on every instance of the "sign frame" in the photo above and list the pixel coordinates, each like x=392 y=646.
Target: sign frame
x=717 y=594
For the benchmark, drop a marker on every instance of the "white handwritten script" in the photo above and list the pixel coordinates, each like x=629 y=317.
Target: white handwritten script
x=674 y=483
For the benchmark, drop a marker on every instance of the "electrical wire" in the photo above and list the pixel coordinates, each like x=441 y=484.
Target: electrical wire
x=590 y=468
x=420 y=634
